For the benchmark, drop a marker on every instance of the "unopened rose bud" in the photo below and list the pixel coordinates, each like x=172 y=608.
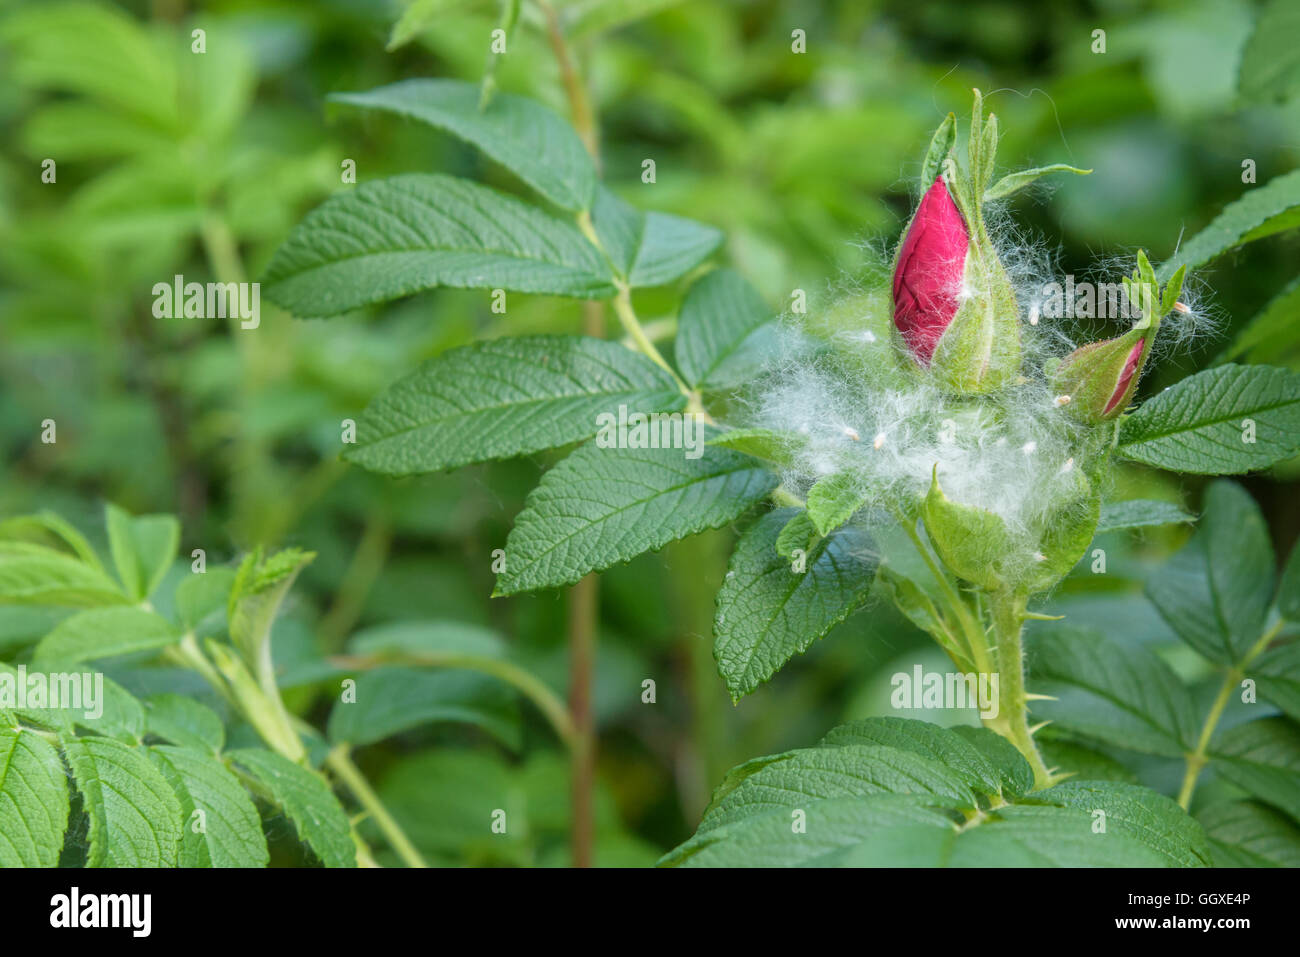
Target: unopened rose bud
x=1101 y=377
x=928 y=275
x=954 y=306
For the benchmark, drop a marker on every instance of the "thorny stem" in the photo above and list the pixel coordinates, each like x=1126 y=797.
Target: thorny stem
x=339 y=760
x=1197 y=760
x=1008 y=614
x=1012 y=721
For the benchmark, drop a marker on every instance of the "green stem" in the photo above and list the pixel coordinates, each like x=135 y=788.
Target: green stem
x=584 y=117
x=581 y=625
x=632 y=326
x=636 y=333
x=976 y=645
x=1198 y=759
x=546 y=701
x=339 y=760
x=361 y=575
x=1012 y=721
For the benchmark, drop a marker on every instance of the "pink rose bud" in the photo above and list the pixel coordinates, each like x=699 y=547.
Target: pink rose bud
x=1101 y=377
x=954 y=306
x=928 y=276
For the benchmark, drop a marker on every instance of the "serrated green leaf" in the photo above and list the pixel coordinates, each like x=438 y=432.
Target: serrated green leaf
x=143 y=547
x=36 y=575
x=719 y=316
x=885 y=792
x=798 y=533
x=961 y=756
x=88 y=699
x=1150 y=818
x=135 y=819
x=122 y=717
x=768 y=611
x=834 y=499
x=1262 y=211
x=1205 y=423
x=1273 y=335
x=1246 y=834
x=1277 y=677
x=104 y=633
x=1014 y=775
x=306 y=800
x=255 y=598
x=799 y=777
x=1270 y=63
x=1014 y=182
x=391 y=700
x=521 y=134
x=601 y=506
x=1140 y=513
x=1028 y=836
x=503 y=398
x=398 y=236
x=1124 y=696
x=670 y=247
x=200 y=596
x=221 y=826
x=184 y=721
x=885 y=830
x=1262 y=757
x=38 y=529
x=778 y=448
x=895 y=831
x=650 y=249
x=33 y=800
x=1215 y=593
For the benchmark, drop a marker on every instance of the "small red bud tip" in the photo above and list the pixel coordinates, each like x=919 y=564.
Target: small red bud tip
x=1125 y=376
x=929 y=273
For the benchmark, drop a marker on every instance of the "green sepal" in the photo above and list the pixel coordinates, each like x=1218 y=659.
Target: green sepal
x=1169 y=298
x=979 y=352
x=940 y=146
x=1069 y=532
x=988 y=150
x=1014 y=182
x=970 y=540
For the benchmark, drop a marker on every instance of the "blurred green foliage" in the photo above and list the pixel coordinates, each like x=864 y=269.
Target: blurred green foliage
x=170 y=162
